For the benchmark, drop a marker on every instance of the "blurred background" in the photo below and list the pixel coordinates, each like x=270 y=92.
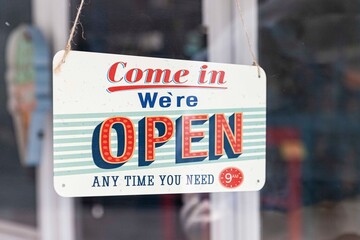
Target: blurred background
x=310 y=51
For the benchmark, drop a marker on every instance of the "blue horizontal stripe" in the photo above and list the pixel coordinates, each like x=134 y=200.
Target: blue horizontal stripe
x=95 y=123
x=90 y=131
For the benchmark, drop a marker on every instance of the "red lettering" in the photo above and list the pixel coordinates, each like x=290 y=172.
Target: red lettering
x=188 y=136
x=113 y=69
x=153 y=77
x=234 y=138
x=157 y=75
x=105 y=140
x=179 y=74
x=225 y=135
x=134 y=75
x=217 y=76
x=151 y=141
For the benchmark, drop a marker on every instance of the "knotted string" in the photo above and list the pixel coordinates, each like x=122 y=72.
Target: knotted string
x=71 y=36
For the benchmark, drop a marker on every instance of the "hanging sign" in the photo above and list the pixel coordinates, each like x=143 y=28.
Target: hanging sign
x=28 y=84
x=126 y=125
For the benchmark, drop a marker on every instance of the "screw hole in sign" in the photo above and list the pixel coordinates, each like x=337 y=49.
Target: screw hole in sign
x=231 y=177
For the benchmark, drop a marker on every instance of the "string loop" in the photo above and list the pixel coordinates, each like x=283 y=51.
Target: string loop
x=255 y=63
x=76 y=22
x=71 y=36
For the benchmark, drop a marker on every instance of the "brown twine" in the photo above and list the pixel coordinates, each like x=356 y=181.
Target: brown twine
x=71 y=36
x=76 y=22
x=255 y=63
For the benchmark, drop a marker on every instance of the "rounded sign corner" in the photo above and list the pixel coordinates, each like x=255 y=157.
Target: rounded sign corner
x=59 y=189
x=58 y=56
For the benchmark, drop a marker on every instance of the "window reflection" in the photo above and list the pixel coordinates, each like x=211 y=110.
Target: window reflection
x=156 y=28
x=310 y=50
x=17 y=183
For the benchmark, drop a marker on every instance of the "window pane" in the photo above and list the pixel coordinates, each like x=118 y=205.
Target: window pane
x=310 y=50
x=17 y=183
x=156 y=28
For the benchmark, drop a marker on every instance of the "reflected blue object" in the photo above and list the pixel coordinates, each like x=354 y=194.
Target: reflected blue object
x=42 y=90
x=29 y=98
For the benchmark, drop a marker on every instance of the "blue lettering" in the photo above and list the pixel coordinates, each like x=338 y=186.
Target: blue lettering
x=148 y=100
x=104 y=181
x=165 y=102
x=199 y=179
x=96 y=182
x=137 y=180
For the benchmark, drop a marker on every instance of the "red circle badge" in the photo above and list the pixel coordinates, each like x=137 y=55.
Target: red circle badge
x=231 y=177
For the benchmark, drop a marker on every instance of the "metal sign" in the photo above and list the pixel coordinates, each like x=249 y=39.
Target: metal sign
x=126 y=125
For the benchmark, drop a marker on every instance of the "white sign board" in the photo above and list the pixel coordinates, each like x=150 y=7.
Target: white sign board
x=129 y=125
